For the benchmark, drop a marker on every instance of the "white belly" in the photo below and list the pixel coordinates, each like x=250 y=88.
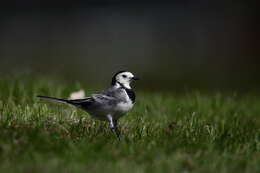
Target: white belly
x=117 y=111
x=124 y=107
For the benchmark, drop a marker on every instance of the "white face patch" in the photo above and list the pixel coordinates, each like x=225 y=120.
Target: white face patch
x=125 y=79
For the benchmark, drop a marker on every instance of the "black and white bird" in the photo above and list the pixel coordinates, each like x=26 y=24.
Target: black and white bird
x=110 y=104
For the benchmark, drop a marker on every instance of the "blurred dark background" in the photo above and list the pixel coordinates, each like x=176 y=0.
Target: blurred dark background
x=210 y=44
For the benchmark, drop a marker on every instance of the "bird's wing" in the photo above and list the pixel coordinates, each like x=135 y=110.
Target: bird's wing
x=82 y=102
x=107 y=97
x=103 y=99
x=94 y=99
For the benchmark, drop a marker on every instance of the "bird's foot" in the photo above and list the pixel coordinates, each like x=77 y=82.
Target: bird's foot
x=116 y=132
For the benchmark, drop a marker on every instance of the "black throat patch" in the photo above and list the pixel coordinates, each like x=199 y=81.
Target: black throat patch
x=130 y=92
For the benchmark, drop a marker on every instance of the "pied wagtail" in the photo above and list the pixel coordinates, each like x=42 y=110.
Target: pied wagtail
x=110 y=104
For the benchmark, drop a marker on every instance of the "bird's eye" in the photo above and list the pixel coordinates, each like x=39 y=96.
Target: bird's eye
x=124 y=76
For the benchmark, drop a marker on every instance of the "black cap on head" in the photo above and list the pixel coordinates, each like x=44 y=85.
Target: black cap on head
x=114 y=77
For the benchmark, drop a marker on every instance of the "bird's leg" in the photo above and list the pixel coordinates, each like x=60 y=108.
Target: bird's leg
x=115 y=129
x=113 y=126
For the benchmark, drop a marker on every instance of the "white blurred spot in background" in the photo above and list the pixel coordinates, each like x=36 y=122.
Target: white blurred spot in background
x=77 y=95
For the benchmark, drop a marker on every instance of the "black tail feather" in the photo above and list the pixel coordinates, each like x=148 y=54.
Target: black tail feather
x=53 y=99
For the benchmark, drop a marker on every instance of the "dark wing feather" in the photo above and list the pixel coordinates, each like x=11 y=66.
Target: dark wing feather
x=94 y=100
x=82 y=102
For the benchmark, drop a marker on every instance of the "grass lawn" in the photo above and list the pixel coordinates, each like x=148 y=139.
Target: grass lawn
x=186 y=132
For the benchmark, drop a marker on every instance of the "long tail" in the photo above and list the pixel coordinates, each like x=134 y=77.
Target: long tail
x=54 y=99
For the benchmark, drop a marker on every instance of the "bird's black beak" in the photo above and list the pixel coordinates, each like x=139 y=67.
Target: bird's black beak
x=135 y=78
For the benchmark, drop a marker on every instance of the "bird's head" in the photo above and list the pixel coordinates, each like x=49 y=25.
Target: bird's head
x=123 y=78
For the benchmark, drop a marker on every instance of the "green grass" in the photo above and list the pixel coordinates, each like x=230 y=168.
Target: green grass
x=165 y=132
